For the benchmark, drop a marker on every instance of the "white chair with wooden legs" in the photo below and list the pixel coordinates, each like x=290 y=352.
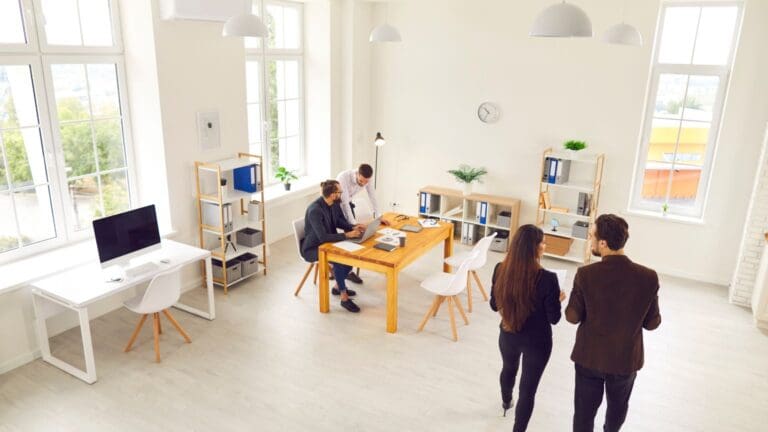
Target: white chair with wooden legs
x=446 y=287
x=299 y=234
x=163 y=292
x=481 y=247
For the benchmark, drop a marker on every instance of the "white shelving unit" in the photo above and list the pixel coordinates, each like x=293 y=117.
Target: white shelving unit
x=214 y=237
x=585 y=176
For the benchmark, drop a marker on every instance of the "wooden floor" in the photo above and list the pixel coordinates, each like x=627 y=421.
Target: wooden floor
x=270 y=361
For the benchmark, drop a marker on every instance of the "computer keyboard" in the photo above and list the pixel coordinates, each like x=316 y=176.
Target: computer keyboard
x=141 y=269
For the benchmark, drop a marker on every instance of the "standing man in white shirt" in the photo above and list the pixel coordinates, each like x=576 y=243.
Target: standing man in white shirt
x=353 y=181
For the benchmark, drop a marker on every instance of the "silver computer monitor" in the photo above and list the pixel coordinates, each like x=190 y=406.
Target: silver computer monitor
x=126 y=235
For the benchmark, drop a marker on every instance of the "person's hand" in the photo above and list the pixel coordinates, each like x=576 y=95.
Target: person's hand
x=385 y=222
x=562 y=296
x=360 y=227
x=352 y=234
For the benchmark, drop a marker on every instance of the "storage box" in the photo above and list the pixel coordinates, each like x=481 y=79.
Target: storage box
x=250 y=237
x=504 y=218
x=234 y=270
x=500 y=243
x=557 y=245
x=580 y=230
x=254 y=211
x=249 y=263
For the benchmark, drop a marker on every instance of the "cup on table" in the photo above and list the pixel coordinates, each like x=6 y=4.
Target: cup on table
x=402 y=241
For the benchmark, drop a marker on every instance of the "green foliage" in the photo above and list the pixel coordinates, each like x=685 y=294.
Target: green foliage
x=574 y=145
x=8 y=243
x=673 y=106
x=467 y=174
x=284 y=175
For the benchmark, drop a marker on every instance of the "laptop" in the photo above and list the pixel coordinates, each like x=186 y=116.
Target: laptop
x=369 y=231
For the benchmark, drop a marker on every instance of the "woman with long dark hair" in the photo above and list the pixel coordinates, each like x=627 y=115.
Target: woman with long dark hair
x=528 y=299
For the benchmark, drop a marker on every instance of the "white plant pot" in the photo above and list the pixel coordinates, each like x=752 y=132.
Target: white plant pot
x=467 y=188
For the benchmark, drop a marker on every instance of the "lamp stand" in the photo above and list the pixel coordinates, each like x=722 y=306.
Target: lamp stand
x=376 y=171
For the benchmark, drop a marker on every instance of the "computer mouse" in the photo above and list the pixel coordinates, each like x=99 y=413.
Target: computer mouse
x=165 y=261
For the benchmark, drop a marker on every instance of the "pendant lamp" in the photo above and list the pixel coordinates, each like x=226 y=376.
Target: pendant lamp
x=562 y=20
x=622 y=33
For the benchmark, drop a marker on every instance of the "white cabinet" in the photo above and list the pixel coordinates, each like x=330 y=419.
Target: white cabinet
x=202 y=10
x=760 y=294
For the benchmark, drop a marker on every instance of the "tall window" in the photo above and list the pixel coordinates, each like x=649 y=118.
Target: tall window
x=63 y=145
x=275 y=88
x=691 y=68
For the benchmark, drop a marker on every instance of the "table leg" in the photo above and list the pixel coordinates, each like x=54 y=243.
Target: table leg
x=392 y=301
x=448 y=249
x=211 y=314
x=324 y=290
x=85 y=332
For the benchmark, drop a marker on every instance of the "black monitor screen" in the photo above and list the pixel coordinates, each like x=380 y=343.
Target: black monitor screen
x=126 y=232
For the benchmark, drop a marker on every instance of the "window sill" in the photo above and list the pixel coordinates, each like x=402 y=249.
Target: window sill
x=305 y=186
x=21 y=272
x=685 y=220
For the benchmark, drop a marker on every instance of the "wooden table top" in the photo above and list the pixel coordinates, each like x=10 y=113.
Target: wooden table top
x=416 y=244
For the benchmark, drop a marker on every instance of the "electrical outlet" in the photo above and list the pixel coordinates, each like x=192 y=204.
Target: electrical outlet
x=394 y=205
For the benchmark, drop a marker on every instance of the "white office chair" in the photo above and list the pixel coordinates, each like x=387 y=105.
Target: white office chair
x=299 y=234
x=448 y=286
x=163 y=292
x=455 y=260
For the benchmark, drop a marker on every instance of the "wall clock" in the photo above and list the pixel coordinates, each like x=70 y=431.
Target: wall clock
x=488 y=112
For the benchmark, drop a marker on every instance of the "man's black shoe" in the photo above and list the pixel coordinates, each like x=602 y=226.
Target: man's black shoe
x=353 y=277
x=335 y=291
x=350 y=306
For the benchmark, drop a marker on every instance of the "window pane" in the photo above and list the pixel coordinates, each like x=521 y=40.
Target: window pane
x=293 y=157
x=254 y=124
x=252 y=82
x=33 y=207
x=8 y=233
x=655 y=181
x=62 y=24
x=11 y=24
x=291 y=79
x=713 y=44
x=102 y=82
x=77 y=140
x=24 y=150
x=280 y=77
x=71 y=92
x=679 y=34
x=3 y=171
x=702 y=93
x=96 y=22
x=281 y=116
x=692 y=148
x=275 y=25
x=114 y=189
x=17 y=97
x=685 y=185
x=84 y=201
x=292 y=118
x=669 y=97
x=274 y=158
x=292 y=28
x=109 y=143
x=253 y=42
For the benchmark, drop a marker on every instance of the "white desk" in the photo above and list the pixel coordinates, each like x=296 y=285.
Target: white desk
x=77 y=288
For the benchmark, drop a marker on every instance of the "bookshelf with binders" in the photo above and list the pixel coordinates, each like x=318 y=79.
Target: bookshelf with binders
x=569 y=192
x=230 y=198
x=474 y=216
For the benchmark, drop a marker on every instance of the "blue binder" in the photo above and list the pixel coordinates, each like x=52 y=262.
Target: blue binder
x=246 y=179
x=423 y=203
x=553 y=163
x=483 y=212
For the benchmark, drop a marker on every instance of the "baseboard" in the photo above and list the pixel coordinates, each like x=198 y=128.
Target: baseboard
x=693 y=276
x=19 y=361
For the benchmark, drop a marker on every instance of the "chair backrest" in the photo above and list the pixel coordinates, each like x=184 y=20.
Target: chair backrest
x=163 y=291
x=561 y=274
x=482 y=249
x=299 y=234
x=459 y=280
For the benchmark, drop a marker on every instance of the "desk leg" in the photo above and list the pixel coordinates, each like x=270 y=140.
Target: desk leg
x=44 y=308
x=323 y=289
x=211 y=314
x=392 y=301
x=448 y=249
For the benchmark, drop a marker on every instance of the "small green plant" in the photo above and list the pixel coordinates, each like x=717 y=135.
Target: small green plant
x=575 y=145
x=285 y=175
x=664 y=208
x=467 y=174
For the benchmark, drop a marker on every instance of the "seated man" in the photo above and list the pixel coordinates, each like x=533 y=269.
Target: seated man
x=320 y=224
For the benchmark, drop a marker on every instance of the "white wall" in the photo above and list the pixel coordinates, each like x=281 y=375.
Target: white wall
x=457 y=54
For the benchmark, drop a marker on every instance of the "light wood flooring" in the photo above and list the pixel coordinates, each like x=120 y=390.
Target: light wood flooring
x=272 y=362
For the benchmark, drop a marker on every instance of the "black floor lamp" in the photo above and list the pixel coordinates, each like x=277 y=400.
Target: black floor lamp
x=378 y=142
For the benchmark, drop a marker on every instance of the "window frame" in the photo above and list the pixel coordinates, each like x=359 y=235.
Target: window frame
x=46 y=48
x=723 y=72
x=263 y=55
x=30 y=31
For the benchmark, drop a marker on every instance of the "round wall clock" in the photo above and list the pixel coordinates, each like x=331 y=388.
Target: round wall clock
x=488 y=112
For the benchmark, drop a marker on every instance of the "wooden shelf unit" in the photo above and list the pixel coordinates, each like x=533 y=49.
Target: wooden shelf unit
x=586 y=174
x=460 y=209
x=205 y=194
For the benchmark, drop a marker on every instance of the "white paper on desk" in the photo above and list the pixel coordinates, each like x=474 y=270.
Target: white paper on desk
x=348 y=246
x=391 y=232
x=429 y=223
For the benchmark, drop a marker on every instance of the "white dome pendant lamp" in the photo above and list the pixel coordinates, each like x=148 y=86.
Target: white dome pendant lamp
x=622 y=33
x=562 y=20
x=385 y=32
x=245 y=24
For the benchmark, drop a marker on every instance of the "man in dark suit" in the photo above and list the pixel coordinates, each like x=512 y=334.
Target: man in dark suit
x=321 y=221
x=612 y=301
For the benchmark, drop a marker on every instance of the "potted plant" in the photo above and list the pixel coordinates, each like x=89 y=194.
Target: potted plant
x=285 y=176
x=467 y=175
x=574 y=146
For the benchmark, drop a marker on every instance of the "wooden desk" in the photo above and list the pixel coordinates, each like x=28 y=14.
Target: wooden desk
x=389 y=263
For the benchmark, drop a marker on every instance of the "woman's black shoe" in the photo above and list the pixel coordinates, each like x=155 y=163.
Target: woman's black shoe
x=350 y=306
x=351 y=293
x=505 y=406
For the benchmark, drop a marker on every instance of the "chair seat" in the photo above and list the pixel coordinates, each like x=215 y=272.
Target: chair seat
x=437 y=283
x=134 y=305
x=455 y=260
